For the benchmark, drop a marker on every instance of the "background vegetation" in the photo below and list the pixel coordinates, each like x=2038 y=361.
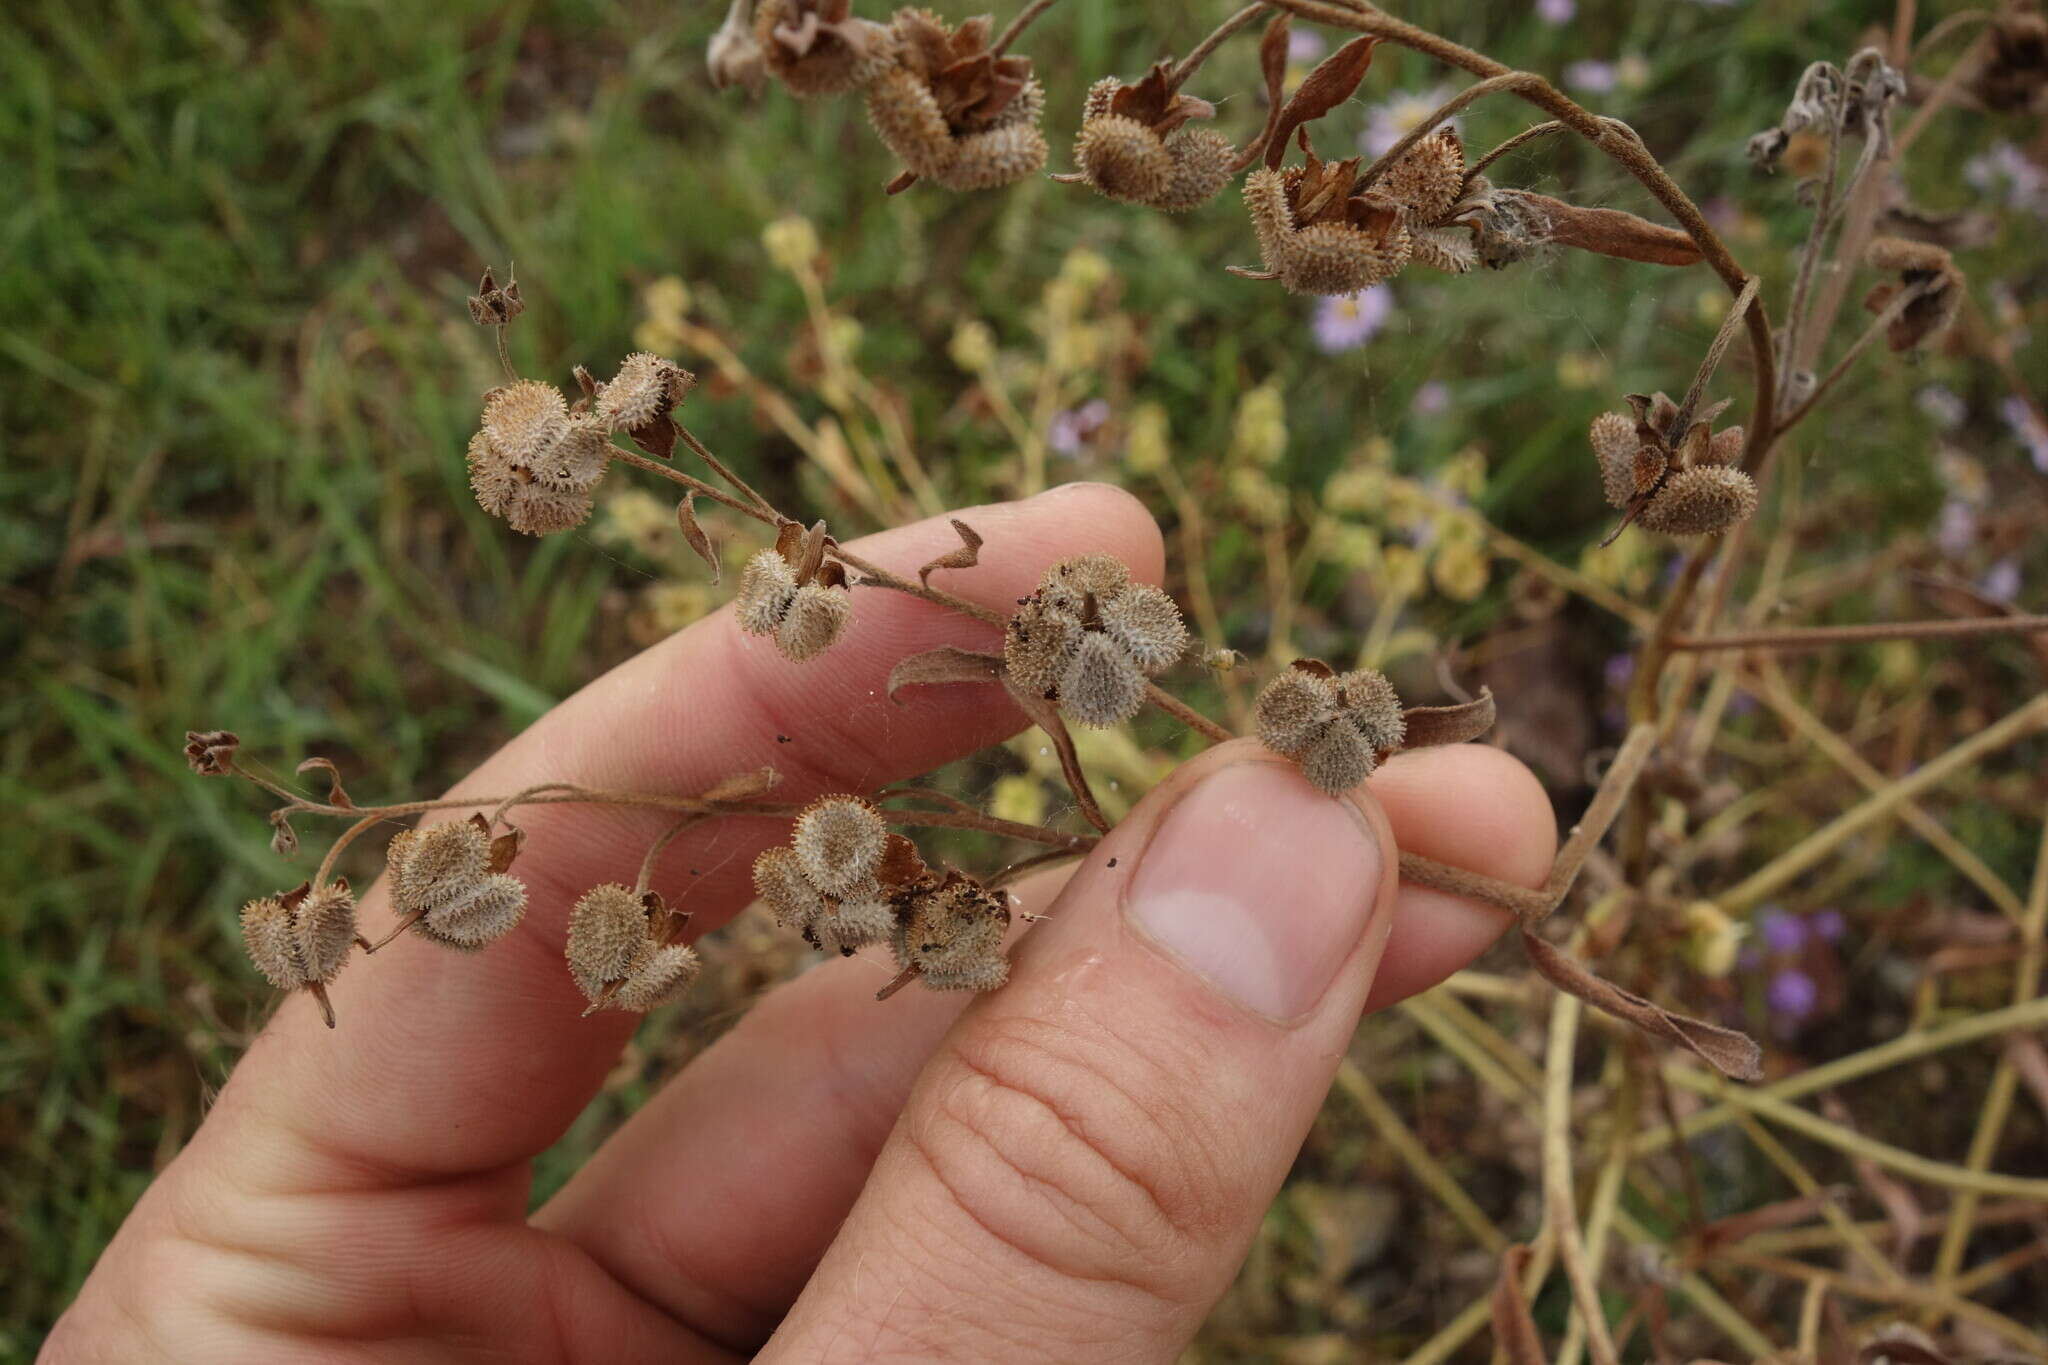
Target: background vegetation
x=239 y=378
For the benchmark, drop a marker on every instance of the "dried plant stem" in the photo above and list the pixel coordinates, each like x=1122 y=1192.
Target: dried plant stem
x=1194 y=543
x=1823 y=841
x=1803 y=1180
x=654 y=850
x=1820 y=637
x=1910 y=1164
x=1185 y=714
x=1454 y=1334
x=720 y=468
x=1945 y=26
x=1192 y=63
x=1905 y=299
x=1450 y=108
x=695 y=485
x=1015 y=30
x=1560 y=1207
x=505 y=356
x=1600 y=1220
x=1904 y=1293
x=1521 y=139
x=1711 y=361
x=1708 y=1300
x=1398 y=1136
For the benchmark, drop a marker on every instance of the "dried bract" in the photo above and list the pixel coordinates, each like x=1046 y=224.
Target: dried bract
x=492 y=306
x=817 y=47
x=1133 y=144
x=211 y=753
x=953 y=112
x=1929 y=276
x=1089 y=637
x=2011 y=76
x=1318 y=235
x=640 y=399
x=531 y=463
x=1337 y=726
x=1677 y=483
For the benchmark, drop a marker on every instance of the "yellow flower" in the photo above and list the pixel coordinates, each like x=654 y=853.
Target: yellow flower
x=1358 y=491
x=1626 y=566
x=1260 y=433
x=1149 y=447
x=1018 y=798
x=1085 y=270
x=667 y=300
x=792 y=244
x=671 y=606
x=1712 y=940
x=635 y=517
x=1355 y=547
x=1074 y=348
x=1465 y=473
x=1404 y=569
x=1258 y=495
x=1459 y=568
x=1581 y=370
x=973 y=347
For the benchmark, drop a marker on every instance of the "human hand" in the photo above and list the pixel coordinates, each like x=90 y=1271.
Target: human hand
x=1069 y=1169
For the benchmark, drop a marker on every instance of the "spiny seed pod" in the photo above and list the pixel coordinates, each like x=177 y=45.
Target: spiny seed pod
x=953 y=936
x=734 y=56
x=839 y=842
x=1294 y=710
x=1925 y=268
x=531 y=463
x=1089 y=638
x=1317 y=236
x=1615 y=444
x=1335 y=725
x=607 y=930
x=1450 y=250
x=853 y=924
x=1133 y=144
x=324 y=929
x=480 y=916
x=1068 y=583
x=1147 y=626
x=767 y=587
x=431 y=867
x=1102 y=685
x=780 y=882
x=1427 y=178
x=816 y=47
x=1702 y=501
x=954 y=113
x=659 y=976
x=640 y=399
x=1338 y=760
x=1038 y=643
x=272 y=944
x=1123 y=158
x=815 y=620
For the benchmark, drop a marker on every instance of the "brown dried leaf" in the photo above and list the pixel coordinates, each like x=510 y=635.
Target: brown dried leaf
x=686 y=517
x=335 y=795
x=1427 y=726
x=813 y=554
x=1611 y=232
x=505 y=848
x=902 y=866
x=1514 y=1331
x=789 y=542
x=284 y=840
x=944 y=665
x=745 y=786
x=1785 y=1213
x=211 y=753
x=966 y=557
x=1326 y=87
x=1273 y=68
x=1729 y=1052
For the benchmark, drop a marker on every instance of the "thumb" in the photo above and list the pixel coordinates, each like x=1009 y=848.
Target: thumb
x=1082 y=1165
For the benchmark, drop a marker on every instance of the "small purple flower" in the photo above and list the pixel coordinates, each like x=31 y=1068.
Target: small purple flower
x=1741 y=703
x=1780 y=932
x=1304 y=45
x=2002 y=583
x=1070 y=430
x=1792 y=994
x=1955 y=531
x=1556 y=11
x=1392 y=118
x=1826 y=925
x=2006 y=170
x=1941 y=405
x=2026 y=424
x=1592 y=77
x=1345 y=322
x=1620 y=670
x=1431 y=399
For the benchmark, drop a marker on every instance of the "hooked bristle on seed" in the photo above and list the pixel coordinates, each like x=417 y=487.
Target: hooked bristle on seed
x=767 y=587
x=434 y=866
x=816 y=618
x=1038 y=643
x=1294 y=709
x=953 y=936
x=646 y=388
x=1102 y=686
x=1450 y=250
x=1427 y=178
x=780 y=882
x=839 y=842
x=1615 y=444
x=1338 y=760
x=854 y=923
x=324 y=930
x=531 y=463
x=659 y=976
x=1203 y=162
x=1369 y=702
x=1145 y=622
x=1702 y=501
x=607 y=928
x=272 y=944
x=480 y=916
x=1067 y=582
x=1123 y=158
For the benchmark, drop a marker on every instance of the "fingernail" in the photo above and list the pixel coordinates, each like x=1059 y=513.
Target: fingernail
x=1260 y=884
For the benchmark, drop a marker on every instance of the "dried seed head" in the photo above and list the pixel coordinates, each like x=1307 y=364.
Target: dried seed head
x=532 y=464
x=479 y=917
x=907 y=119
x=524 y=420
x=607 y=929
x=854 y=923
x=323 y=931
x=660 y=975
x=1427 y=178
x=1724 y=448
x=492 y=306
x=1123 y=158
x=1038 y=644
x=816 y=47
x=1615 y=444
x=767 y=587
x=1146 y=624
x=992 y=159
x=1339 y=760
x=1930 y=272
x=1102 y=685
x=1294 y=709
x=1702 y=501
x=816 y=618
x=435 y=866
x=1451 y=250
x=951 y=111
x=780 y=882
x=1370 y=704
x=640 y=399
x=953 y=935
x=211 y=753
x=1319 y=235
x=839 y=841
x=1333 y=258
x=1067 y=583
x=268 y=935
x=1203 y=162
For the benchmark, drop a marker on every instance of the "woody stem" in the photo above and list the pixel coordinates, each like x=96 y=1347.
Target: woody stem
x=1024 y=20
x=1192 y=63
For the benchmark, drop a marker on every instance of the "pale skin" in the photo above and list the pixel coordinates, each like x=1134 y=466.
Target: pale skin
x=1069 y=1169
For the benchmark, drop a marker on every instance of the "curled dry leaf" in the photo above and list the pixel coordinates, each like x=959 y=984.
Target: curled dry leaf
x=944 y=665
x=1273 y=69
x=966 y=557
x=336 y=796
x=1609 y=232
x=1733 y=1054
x=693 y=534
x=1428 y=726
x=1329 y=85
x=505 y=848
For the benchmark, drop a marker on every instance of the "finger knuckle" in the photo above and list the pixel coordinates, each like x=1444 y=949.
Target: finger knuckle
x=1066 y=1145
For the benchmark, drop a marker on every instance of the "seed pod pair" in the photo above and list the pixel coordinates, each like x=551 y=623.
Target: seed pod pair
x=619 y=950
x=1133 y=145
x=531 y=463
x=953 y=112
x=1089 y=637
x=794 y=594
x=302 y=937
x=640 y=400
x=1675 y=483
x=1338 y=726
x=817 y=47
x=450 y=879
x=1321 y=234
x=827 y=882
x=952 y=935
